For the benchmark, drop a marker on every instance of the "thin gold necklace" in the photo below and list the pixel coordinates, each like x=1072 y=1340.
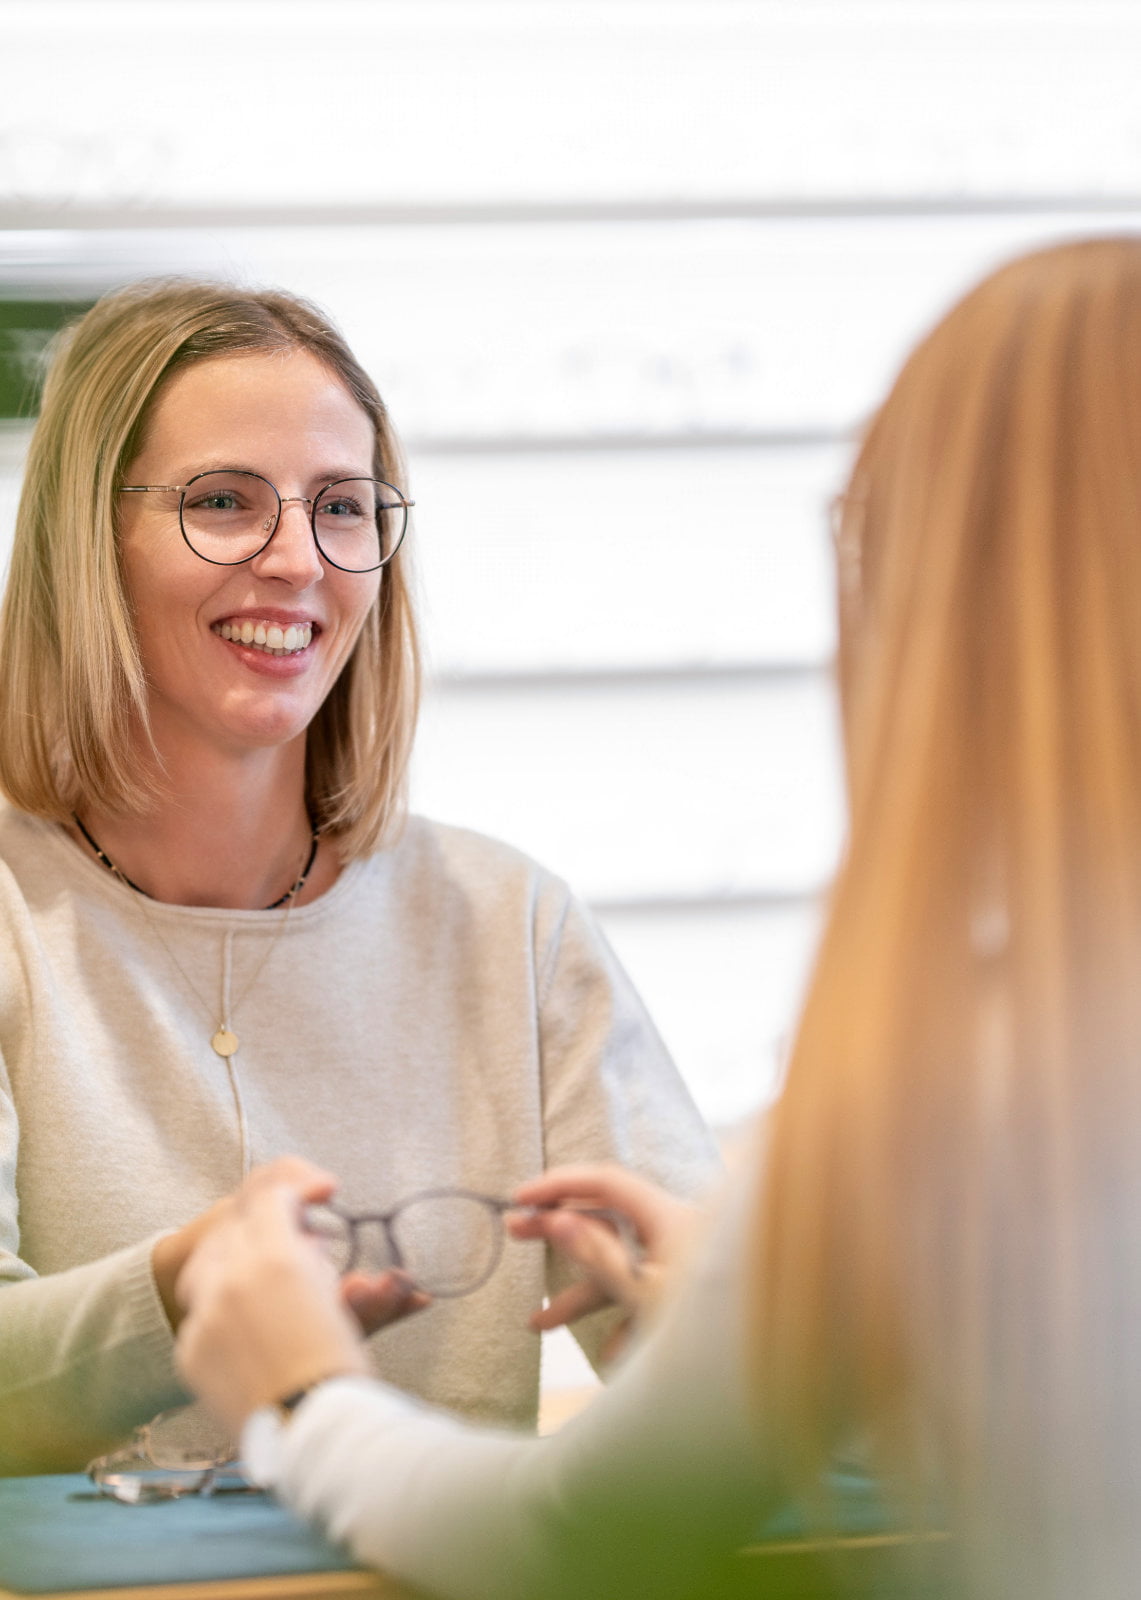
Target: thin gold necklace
x=223 y=1041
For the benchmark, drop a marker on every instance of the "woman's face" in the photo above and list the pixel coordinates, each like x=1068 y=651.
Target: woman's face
x=287 y=417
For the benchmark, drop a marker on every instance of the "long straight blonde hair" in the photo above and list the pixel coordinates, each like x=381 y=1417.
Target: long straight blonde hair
x=950 y=1258
x=72 y=687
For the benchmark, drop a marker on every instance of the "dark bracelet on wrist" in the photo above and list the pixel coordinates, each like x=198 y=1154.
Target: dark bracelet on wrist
x=287 y=1405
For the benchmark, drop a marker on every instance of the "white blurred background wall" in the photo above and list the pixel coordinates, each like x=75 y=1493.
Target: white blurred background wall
x=629 y=275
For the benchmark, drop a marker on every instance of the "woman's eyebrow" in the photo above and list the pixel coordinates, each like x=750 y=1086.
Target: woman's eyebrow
x=328 y=474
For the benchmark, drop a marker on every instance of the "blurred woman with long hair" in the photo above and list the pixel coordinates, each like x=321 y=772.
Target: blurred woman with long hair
x=935 y=1255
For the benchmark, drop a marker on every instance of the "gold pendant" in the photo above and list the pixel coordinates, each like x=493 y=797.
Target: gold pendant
x=224 y=1042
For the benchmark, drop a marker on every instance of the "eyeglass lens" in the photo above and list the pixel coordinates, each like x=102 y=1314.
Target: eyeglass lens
x=456 y=1240
x=228 y=517
x=449 y=1244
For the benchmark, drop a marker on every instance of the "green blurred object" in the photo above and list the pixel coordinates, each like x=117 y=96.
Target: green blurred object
x=26 y=329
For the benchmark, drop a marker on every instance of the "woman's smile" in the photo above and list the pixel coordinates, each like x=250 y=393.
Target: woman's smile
x=266 y=634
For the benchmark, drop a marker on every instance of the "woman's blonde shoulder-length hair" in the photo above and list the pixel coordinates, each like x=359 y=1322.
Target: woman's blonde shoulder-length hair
x=950 y=1233
x=71 y=682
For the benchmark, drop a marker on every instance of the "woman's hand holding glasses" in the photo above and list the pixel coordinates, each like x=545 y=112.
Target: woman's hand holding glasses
x=574 y=1210
x=265 y=1311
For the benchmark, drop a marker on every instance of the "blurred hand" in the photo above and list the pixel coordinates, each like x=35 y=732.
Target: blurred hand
x=172 y=1252
x=612 y=1274
x=377 y=1300
x=263 y=1311
x=374 y=1301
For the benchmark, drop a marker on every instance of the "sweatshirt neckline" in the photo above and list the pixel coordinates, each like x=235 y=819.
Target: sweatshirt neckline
x=95 y=878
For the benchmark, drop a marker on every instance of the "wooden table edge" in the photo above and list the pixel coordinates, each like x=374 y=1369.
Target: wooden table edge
x=282 y=1586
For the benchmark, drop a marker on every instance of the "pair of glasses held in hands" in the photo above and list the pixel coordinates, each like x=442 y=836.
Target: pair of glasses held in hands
x=447 y=1242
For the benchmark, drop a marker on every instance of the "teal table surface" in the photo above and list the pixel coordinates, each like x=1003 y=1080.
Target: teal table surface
x=54 y=1535
x=57 y=1535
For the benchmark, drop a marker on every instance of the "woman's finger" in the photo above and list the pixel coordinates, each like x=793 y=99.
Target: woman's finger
x=596 y=1249
x=616 y=1345
x=311 y=1183
x=576 y=1301
x=611 y=1277
x=596 y=1182
x=376 y=1301
x=651 y=1210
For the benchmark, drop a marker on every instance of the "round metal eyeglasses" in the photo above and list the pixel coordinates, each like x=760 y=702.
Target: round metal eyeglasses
x=229 y=516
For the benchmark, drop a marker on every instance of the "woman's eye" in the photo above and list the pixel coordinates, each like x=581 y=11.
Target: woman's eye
x=341 y=508
x=215 y=502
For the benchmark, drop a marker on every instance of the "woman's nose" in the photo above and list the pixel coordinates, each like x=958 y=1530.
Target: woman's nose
x=291 y=553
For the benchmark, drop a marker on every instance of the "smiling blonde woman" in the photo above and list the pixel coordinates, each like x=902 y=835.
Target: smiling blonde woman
x=222 y=940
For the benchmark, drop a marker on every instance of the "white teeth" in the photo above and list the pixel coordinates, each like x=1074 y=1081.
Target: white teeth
x=268 y=636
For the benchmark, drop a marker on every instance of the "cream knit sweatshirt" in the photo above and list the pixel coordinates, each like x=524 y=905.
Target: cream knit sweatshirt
x=446 y=1014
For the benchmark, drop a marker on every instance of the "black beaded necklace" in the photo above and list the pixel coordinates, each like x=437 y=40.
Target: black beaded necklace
x=294 y=889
